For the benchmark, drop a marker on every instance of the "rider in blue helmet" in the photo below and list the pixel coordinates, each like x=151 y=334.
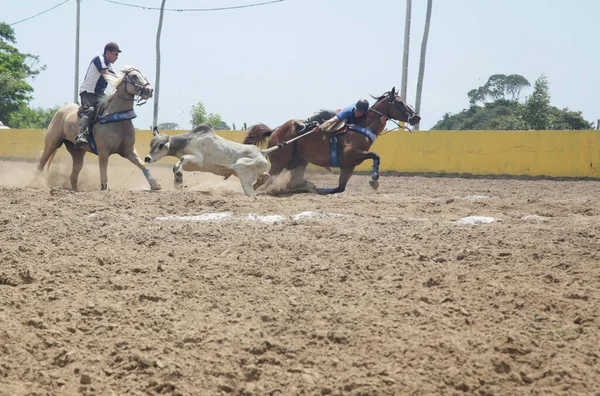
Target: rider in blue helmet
x=350 y=114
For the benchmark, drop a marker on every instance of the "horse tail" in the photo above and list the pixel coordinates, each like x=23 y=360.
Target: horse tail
x=258 y=134
x=50 y=159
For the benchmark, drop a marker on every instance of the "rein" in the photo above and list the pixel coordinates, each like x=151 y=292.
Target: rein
x=139 y=87
x=390 y=103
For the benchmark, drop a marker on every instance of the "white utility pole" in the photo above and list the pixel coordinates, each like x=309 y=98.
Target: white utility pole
x=157 y=82
x=406 y=46
x=422 y=62
x=76 y=84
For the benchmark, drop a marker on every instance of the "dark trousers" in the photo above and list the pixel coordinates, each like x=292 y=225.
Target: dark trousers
x=87 y=110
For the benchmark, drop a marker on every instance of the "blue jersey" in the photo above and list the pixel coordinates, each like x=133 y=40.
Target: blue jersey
x=93 y=81
x=347 y=114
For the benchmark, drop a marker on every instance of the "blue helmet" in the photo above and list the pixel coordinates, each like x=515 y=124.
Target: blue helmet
x=362 y=105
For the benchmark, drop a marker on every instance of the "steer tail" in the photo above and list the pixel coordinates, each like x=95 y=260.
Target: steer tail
x=258 y=134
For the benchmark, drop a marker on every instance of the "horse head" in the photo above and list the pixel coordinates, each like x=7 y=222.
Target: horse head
x=136 y=84
x=391 y=105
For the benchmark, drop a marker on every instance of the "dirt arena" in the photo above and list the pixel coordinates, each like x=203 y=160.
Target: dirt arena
x=372 y=293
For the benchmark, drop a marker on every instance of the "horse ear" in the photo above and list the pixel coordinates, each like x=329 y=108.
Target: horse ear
x=155 y=131
x=393 y=91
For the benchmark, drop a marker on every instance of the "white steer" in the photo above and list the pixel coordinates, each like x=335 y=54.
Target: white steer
x=202 y=150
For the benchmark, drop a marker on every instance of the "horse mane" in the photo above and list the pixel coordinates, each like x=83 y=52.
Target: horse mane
x=114 y=81
x=383 y=96
x=202 y=128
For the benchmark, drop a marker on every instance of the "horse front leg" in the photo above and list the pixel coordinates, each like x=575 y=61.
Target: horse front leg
x=135 y=159
x=103 y=163
x=374 y=182
x=345 y=173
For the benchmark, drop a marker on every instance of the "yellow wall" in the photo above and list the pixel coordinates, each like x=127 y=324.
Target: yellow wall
x=534 y=153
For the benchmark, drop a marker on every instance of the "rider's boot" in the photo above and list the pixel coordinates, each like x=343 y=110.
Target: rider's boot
x=83 y=135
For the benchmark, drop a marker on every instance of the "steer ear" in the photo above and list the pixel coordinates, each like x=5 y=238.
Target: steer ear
x=155 y=131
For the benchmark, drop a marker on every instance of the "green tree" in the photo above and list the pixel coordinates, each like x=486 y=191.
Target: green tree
x=536 y=111
x=506 y=113
x=217 y=123
x=568 y=120
x=32 y=118
x=199 y=115
x=168 y=126
x=499 y=86
x=15 y=68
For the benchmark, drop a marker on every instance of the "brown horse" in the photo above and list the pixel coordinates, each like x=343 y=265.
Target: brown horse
x=347 y=149
x=114 y=134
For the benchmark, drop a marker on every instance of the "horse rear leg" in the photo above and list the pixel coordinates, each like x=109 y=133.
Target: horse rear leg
x=50 y=147
x=345 y=173
x=77 y=154
x=135 y=159
x=298 y=183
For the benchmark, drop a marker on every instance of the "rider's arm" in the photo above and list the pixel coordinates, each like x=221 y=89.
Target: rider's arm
x=342 y=115
x=327 y=125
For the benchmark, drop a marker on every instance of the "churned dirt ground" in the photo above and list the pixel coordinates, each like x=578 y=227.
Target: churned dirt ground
x=99 y=296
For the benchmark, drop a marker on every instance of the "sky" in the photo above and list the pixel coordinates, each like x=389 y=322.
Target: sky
x=288 y=59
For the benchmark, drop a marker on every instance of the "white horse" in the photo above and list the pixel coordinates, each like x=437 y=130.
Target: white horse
x=114 y=134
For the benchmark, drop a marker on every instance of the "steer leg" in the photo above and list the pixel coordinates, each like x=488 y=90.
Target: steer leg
x=247 y=180
x=178 y=168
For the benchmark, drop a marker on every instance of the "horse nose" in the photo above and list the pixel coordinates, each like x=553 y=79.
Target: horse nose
x=150 y=91
x=148 y=159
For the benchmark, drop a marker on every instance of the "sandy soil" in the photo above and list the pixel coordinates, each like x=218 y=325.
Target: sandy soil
x=99 y=297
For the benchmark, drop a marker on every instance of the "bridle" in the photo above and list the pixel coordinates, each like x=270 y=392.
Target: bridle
x=139 y=87
x=392 y=102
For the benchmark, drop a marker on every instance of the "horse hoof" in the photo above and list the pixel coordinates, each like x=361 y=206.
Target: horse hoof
x=155 y=186
x=375 y=175
x=374 y=184
x=325 y=191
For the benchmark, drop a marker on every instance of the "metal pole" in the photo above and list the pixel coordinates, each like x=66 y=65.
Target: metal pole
x=422 y=62
x=157 y=82
x=76 y=84
x=406 y=46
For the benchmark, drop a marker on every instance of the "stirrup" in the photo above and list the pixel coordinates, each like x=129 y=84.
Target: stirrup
x=81 y=141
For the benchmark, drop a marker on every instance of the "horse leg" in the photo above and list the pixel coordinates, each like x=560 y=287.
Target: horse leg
x=298 y=183
x=77 y=155
x=135 y=159
x=345 y=173
x=103 y=163
x=266 y=180
x=50 y=146
x=374 y=182
x=260 y=180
